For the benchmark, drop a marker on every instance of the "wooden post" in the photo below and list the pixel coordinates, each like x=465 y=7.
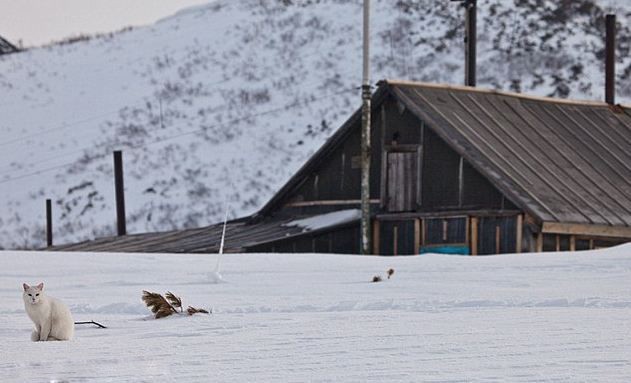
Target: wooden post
x=423 y=233
x=417 y=236
x=540 y=242
x=467 y=230
x=572 y=243
x=445 y=230
x=474 y=235
x=376 y=245
x=49 y=223
x=120 y=192
x=498 y=239
x=520 y=225
x=395 y=236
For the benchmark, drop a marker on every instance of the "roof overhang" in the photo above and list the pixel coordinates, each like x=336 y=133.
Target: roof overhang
x=586 y=230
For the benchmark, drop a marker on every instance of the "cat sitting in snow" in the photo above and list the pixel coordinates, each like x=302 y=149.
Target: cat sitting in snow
x=51 y=317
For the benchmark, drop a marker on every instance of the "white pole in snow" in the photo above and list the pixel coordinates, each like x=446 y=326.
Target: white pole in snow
x=223 y=237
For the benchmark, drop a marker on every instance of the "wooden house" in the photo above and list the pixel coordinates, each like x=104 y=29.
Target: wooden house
x=453 y=169
x=6 y=47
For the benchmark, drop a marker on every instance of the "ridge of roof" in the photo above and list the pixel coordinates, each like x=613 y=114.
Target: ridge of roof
x=498 y=92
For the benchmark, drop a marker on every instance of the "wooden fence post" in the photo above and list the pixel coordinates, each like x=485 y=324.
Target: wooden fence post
x=49 y=223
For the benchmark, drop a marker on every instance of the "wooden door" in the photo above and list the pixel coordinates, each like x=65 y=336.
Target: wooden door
x=401 y=181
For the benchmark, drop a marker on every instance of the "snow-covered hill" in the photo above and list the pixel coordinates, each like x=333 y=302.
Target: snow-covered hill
x=228 y=99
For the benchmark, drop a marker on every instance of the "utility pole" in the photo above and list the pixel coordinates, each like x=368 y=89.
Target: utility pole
x=365 y=137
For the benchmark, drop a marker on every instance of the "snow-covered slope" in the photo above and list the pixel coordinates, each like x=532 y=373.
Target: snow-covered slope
x=553 y=317
x=227 y=100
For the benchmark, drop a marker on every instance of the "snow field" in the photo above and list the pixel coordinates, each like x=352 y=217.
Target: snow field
x=315 y=317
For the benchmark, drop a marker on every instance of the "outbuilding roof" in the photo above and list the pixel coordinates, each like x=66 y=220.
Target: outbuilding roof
x=240 y=236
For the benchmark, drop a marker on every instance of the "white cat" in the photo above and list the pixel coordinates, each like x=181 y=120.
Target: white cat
x=51 y=316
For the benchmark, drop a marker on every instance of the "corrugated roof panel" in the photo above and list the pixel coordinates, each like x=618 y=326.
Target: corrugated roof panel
x=239 y=236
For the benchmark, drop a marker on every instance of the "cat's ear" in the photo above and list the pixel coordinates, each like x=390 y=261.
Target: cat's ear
x=26 y=287
x=40 y=286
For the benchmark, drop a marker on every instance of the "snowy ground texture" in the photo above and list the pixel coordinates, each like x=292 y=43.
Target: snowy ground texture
x=514 y=318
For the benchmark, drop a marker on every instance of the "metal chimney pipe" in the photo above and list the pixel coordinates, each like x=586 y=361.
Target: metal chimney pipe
x=470 y=41
x=610 y=59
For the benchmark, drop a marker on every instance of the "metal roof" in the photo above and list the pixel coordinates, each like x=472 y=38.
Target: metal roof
x=240 y=235
x=563 y=161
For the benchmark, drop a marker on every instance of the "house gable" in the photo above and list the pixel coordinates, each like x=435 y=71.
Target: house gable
x=330 y=179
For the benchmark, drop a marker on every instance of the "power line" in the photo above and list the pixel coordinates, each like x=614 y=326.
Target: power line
x=8 y=170
x=270 y=111
x=62 y=127
x=87 y=119
x=72 y=123
x=78 y=122
x=37 y=172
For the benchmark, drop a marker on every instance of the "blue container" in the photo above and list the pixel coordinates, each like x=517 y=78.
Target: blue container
x=459 y=250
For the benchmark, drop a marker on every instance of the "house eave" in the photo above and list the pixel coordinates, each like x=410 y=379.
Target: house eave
x=586 y=230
